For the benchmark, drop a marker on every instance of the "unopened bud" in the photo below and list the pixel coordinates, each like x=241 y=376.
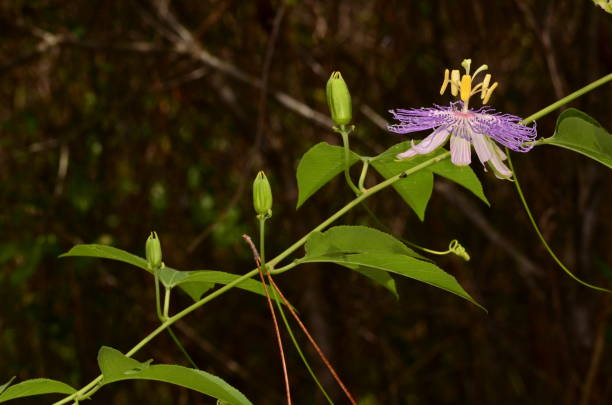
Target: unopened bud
x=153 y=251
x=262 y=195
x=339 y=99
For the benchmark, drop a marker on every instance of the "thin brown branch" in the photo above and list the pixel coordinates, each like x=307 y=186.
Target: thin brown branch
x=279 y=339
x=313 y=342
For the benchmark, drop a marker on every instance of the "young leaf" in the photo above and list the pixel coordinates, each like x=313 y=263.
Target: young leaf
x=3 y=387
x=580 y=133
x=36 y=386
x=318 y=166
x=117 y=367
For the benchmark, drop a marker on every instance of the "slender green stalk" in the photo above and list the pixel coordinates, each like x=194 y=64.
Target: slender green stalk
x=344 y=132
x=542 y=239
x=182 y=348
x=297 y=345
x=157 y=297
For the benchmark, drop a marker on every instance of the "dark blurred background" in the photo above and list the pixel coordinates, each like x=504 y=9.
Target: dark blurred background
x=122 y=117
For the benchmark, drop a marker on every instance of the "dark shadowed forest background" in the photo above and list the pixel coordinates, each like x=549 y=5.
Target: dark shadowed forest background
x=122 y=117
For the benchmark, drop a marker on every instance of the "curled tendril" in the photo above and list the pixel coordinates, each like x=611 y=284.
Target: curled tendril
x=456 y=248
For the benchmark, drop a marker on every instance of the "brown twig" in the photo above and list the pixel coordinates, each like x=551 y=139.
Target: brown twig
x=257 y=259
x=313 y=342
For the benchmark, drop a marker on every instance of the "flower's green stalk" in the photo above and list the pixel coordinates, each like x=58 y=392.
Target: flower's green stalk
x=297 y=345
x=344 y=132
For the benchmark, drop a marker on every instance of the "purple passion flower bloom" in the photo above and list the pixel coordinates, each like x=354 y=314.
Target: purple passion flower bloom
x=466 y=127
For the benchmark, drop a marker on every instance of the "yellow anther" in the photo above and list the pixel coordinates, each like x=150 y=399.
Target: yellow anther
x=455 y=77
x=466 y=87
x=446 y=80
x=485 y=85
x=489 y=92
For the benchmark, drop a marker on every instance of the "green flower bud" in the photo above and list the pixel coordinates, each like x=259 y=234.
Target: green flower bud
x=339 y=99
x=262 y=195
x=153 y=251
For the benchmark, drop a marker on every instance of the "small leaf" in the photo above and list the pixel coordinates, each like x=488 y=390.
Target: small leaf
x=36 y=386
x=318 y=166
x=107 y=252
x=117 y=367
x=196 y=289
x=170 y=277
x=581 y=133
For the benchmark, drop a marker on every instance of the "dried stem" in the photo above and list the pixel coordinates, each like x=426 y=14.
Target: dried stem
x=256 y=257
x=313 y=342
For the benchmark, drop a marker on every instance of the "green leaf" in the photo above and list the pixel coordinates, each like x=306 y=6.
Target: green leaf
x=580 y=133
x=107 y=252
x=416 y=189
x=361 y=248
x=358 y=239
x=318 y=166
x=117 y=367
x=36 y=386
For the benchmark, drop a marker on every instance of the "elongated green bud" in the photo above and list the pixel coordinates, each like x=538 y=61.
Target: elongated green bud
x=262 y=195
x=153 y=251
x=339 y=99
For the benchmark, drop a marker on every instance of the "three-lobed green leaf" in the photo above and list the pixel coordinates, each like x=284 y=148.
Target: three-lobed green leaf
x=581 y=133
x=115 y=366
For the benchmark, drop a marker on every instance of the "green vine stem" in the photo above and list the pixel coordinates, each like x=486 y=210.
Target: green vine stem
x=272 y=263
